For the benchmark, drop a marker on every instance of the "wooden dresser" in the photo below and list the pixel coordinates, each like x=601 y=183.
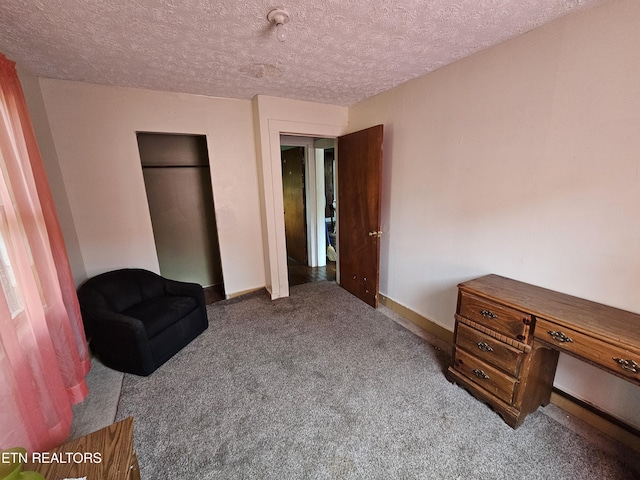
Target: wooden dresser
x=508 y=335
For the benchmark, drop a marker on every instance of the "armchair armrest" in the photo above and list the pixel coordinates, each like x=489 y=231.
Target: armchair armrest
x=119 y=340
x=188 y=289
x=183 y=289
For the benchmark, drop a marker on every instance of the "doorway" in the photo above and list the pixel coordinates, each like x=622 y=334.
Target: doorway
x=309 y=209
x=177 y=180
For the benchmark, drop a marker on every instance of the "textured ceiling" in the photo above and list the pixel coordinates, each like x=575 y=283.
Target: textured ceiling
x=337 y=51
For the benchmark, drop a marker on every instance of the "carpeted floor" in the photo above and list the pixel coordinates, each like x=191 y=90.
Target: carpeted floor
x=320 y=385
x=99 y=408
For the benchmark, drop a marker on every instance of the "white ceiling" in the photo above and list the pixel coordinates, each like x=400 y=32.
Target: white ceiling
x=337 y=51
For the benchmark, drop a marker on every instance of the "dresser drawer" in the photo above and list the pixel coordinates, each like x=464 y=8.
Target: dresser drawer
x=505 y=320
x=491 y=379
x=489 y=349
x=618 y=360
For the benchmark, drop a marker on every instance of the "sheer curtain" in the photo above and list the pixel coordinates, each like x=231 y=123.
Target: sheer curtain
x=43 y=350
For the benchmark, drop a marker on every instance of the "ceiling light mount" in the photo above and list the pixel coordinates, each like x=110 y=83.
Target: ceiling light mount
x=280 y=17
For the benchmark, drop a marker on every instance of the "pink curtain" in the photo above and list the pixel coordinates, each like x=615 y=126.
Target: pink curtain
x=43 y=350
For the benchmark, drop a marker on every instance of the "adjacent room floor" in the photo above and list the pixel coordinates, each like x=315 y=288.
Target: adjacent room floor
x=299 y=273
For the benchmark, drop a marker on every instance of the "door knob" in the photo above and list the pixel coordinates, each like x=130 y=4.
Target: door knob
x=375 y=234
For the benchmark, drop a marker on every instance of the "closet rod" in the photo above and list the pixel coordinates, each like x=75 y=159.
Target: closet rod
x=175 y=166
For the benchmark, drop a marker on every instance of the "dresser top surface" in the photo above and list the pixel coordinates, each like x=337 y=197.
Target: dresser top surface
x=114 y=444
x=618 y=326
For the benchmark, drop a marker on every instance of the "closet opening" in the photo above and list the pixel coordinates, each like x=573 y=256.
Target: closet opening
x=177 y=178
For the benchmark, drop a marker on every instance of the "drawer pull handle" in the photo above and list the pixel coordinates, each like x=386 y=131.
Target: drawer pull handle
x=560 y=337
x=480 y=374
x=484 y=347
x=628 y=365
x=488 y=314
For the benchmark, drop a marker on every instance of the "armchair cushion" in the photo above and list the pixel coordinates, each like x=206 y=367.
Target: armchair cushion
x=159 y=313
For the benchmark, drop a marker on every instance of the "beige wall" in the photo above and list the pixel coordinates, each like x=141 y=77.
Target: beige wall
x=94 y=133
x=522 y=160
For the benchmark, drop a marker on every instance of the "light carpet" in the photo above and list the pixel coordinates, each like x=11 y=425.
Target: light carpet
x=321 y=386
x=99 y=408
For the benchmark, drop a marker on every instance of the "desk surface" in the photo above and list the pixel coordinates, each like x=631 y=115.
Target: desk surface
x=114 y=444
x=608 y=323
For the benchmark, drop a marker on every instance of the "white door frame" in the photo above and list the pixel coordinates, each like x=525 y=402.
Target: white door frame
x=278 y=283
x=305 y=119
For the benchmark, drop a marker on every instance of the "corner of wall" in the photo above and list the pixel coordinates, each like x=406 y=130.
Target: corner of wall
x=38 y=112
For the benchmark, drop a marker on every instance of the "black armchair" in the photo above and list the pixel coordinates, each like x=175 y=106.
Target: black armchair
x=136 y=320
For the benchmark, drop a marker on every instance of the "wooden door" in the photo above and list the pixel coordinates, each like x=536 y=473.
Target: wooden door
x=359 y=167
x=295 y=225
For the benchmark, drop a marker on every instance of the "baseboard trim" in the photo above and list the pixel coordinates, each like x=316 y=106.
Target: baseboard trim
x=592 y=416
x=417 y=319
x=244 y=292
x=596 y=418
